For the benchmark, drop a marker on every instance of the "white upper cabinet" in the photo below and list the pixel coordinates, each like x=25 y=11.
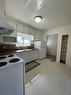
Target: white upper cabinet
x=2 y=8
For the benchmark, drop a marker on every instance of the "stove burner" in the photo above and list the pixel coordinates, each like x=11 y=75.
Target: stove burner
x=2 y=57
x=14 y=60
x=11 y=55
x=2 y=63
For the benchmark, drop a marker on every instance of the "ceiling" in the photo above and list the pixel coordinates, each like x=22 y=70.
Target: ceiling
x=54 y=12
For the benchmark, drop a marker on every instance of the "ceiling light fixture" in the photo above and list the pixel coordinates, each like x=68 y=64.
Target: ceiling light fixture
x=38 y=19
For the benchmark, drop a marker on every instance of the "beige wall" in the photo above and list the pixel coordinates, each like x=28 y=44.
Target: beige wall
x=61 y=31
x=24 y=28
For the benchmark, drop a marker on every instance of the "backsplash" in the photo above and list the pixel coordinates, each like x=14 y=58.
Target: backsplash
x=7 y=48
x=11 y=48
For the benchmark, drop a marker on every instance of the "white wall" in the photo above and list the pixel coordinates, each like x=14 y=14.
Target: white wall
x=24 y=28
x=2 y=8
x=61 y=31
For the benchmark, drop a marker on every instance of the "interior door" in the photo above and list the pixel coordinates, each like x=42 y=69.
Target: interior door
x=52 y=41
x=64 y=49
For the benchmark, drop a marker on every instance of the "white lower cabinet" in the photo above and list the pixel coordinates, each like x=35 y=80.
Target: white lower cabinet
x=28 y=56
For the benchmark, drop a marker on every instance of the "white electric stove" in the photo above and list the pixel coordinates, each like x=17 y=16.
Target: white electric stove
x=12 y=75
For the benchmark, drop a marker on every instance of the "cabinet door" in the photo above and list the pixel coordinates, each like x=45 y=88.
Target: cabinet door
x=9 y=39
x=36 y=54
x=1 y=39
x=22 y=55
x=32 y=55
x=2 y=7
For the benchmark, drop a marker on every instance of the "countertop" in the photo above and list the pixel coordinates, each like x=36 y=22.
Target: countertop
x=25 y=50
x=11 y=51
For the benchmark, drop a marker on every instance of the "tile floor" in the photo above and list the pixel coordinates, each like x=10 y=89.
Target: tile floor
x=54 y=79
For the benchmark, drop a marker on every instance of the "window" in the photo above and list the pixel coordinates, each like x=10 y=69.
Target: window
x=24 y=39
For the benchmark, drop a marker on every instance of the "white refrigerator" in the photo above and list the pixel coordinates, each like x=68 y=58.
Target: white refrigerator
x=41 y=45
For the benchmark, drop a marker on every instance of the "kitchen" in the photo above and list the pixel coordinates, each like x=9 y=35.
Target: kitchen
x=33 y=37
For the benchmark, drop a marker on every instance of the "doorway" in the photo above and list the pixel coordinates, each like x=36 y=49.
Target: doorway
x=64 y=48
x=52 y=41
